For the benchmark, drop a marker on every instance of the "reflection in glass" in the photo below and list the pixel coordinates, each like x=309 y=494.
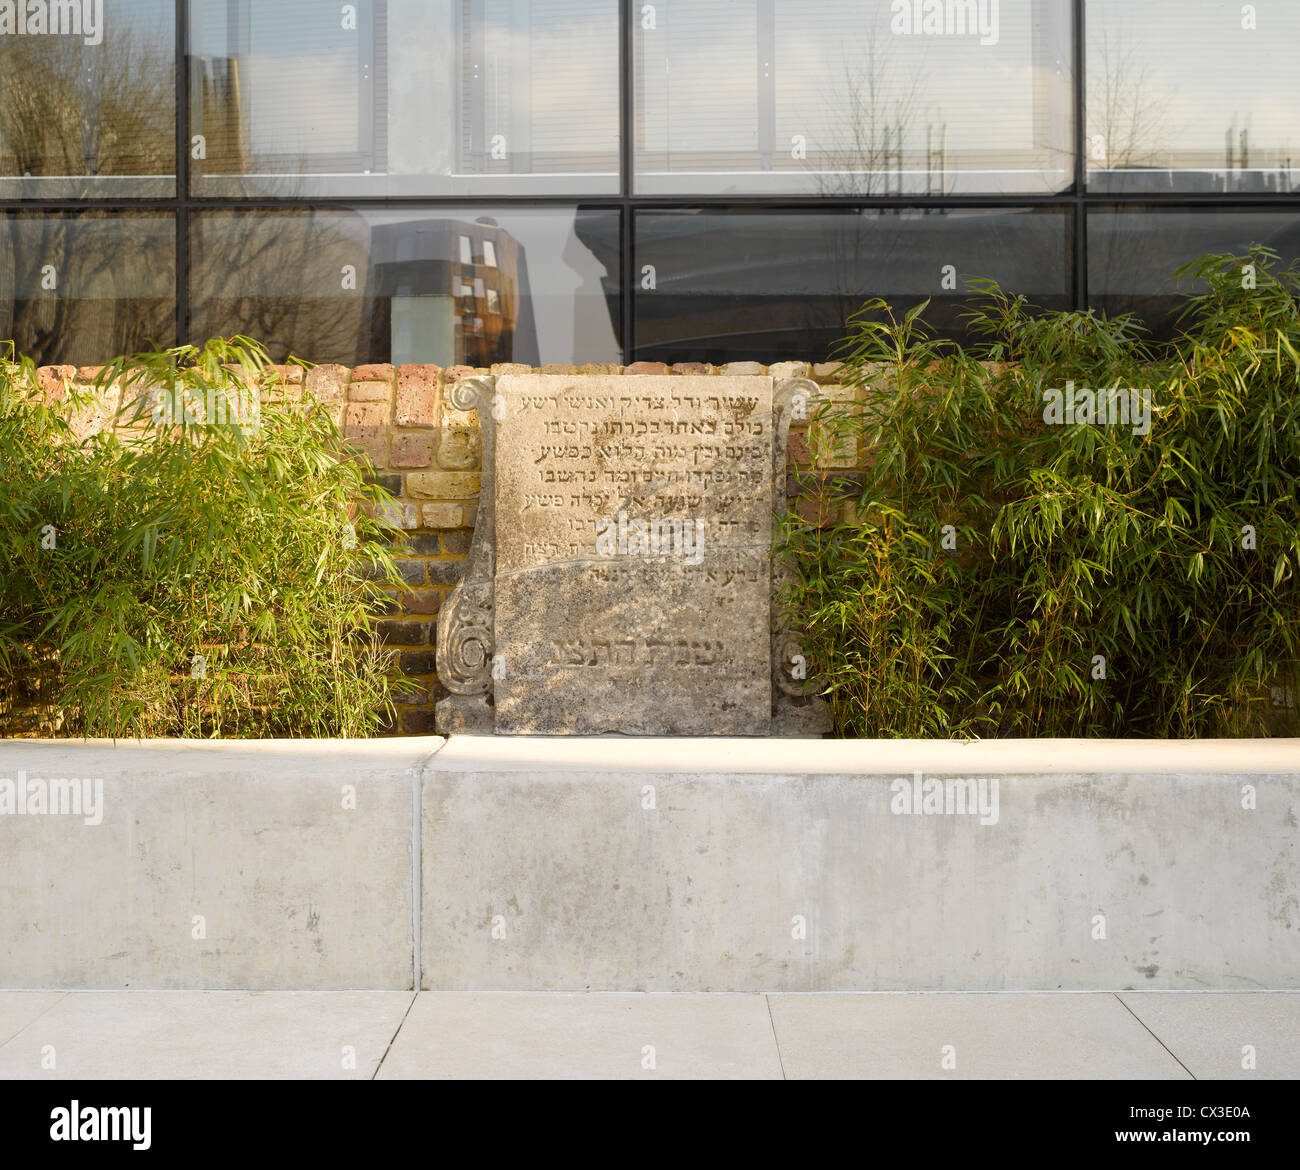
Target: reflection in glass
x=1192 y=97
x=778 y=286
x=1133 y=253
x=361 y=286
x=81 y=288
x=854 y=97
x=405 y=97
x=88 y=100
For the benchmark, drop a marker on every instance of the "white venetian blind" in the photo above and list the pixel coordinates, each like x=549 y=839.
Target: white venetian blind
x=548 y=82
x=303 y=80
x=697 y=100
x=844 y=78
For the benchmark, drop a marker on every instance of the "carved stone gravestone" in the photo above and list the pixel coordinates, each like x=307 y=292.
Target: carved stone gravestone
x=621 y=577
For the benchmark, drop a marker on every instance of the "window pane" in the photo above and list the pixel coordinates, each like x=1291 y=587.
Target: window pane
x=853 y=97
x=1133 y=253
x=88 y=100
x=405 y=97
x=361 y=286
x=1192 y=97
x=82 y=288
x=778 y=286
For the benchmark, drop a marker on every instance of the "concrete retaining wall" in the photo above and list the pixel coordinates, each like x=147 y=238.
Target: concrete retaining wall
x=740 y=866
x=215 y=865
x=679 y=865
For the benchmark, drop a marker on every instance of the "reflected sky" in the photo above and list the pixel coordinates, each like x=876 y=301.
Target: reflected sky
x=1170 y=80
x=422 y=97
x=838 y=97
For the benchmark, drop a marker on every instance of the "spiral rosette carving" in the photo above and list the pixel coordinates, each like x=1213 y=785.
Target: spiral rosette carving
x=467 y=668
x=465 y=393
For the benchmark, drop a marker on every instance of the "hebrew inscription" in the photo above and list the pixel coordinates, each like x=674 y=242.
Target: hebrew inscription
x=633 y=526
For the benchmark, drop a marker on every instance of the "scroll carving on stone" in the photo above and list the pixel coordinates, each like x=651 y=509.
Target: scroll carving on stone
x=466 y=636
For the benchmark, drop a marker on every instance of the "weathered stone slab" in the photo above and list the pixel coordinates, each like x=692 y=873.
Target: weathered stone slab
x=634 y=528
x=621 y=576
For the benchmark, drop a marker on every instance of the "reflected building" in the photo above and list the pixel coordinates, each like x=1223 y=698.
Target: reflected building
x=357 y=286
x=448 y=292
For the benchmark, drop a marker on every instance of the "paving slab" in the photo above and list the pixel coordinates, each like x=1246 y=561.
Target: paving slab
x=182 y=1035
x=1226 y=1035
x=561 y=1036
x=966 y=1037
x=471 y=1035
x=20 y=1008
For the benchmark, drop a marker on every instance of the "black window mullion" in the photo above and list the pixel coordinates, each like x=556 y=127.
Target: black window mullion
x=182 y=172
x=1080 y=158
x=627 y=150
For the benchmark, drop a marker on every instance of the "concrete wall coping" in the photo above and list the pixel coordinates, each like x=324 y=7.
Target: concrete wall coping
x=868 y=757
x=727 y=755
x=199 y=756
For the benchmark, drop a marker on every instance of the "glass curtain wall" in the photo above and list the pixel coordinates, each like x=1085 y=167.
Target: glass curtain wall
x=572 y=181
